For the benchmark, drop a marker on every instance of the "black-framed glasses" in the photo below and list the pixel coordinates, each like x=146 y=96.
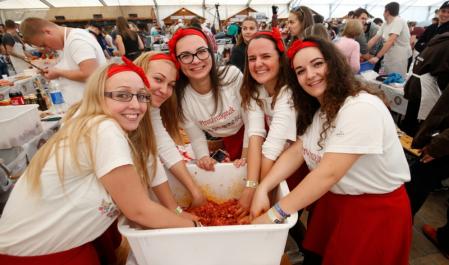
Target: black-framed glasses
x=187 y=57
x=125 y=96
x=298 y=9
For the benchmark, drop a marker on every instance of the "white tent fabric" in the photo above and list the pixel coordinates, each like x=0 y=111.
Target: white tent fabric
x=416 y=10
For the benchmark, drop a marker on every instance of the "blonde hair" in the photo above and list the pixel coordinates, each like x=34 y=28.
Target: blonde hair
x=352 y=29
x=169 y=111
x=80 y=124
x=32 y=26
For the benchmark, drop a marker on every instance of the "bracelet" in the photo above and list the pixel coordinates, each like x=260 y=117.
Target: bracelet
x=281 y=212
x=273 y=218
x=178 y=210
x=252 y=184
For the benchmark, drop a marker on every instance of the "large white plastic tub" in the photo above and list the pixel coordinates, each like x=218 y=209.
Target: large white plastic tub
x=219 y=245
x=19 y=124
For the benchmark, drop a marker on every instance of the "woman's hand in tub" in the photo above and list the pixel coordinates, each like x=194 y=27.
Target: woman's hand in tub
x=207 y=163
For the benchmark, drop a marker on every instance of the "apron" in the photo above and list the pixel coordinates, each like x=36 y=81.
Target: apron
x=430 y=93
x=71 y=90
x=18 y=64
x=396 y=59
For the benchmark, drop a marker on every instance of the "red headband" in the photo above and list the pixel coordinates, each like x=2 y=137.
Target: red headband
x=276 y=36
x=297 y=46
x=163 y=56
x=181 y=33
x=128 y=66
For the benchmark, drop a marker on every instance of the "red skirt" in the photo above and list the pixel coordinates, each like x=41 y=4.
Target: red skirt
x=233 y=144
x=82 y=255
x=99 y=251
x=369 y=229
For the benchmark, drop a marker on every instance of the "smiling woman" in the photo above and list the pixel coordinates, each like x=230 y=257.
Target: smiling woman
x=161 y=70
x=348 y=139
x=268 y=96
x=208 y=97
x=92 y=170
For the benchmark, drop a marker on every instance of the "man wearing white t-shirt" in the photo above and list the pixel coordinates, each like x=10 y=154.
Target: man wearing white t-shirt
x=396 y=49
x=80 y=54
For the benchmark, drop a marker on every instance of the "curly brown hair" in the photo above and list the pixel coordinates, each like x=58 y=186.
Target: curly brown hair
x=250 y=86
x=341 y=84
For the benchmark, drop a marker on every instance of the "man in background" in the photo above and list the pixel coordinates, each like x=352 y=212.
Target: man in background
x=81 y=54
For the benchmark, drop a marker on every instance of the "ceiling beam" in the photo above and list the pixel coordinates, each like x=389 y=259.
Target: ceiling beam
x=156 y=12
x=102 y=2
x=45 y=2
x=248 y=3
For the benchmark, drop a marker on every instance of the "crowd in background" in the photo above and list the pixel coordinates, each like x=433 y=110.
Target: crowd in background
x=280 y=98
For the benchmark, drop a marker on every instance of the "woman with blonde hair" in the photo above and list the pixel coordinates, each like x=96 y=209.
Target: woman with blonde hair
x=348 y=46
x=127 y=40
x=90 y=171
x=162 y=71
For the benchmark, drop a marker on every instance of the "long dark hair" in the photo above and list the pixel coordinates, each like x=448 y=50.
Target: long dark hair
x=217 y=80
x=305 y=17
x=341 y=83
x=124 y=30
x=250 y=86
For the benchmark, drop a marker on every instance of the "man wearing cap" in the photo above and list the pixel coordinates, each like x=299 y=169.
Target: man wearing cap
x=441 y=27
x=81 y=54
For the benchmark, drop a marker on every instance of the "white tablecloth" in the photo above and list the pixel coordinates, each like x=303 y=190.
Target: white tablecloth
x=394 y=94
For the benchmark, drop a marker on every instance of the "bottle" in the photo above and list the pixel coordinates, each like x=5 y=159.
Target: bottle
x=45 y=91
x=16 y=97
x=56 y=98
x=41 y=101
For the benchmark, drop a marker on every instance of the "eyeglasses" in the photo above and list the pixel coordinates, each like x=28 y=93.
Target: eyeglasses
x=187 y=57
x=125 y=96
x=298 y=9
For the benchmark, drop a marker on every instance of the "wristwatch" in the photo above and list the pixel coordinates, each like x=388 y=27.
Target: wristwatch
x=252 y=184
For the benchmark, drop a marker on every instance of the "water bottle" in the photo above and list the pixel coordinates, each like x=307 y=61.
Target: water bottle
x=56 y=98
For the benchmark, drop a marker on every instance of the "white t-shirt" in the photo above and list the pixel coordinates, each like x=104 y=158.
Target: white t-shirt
x=281 y=120
x=396 y=58
x=166 y=147
x=199 y=113
x=69 y=215
x=363 y=126
x=79 y=45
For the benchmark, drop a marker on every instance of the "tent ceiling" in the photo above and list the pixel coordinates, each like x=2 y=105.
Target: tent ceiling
x=19 y=4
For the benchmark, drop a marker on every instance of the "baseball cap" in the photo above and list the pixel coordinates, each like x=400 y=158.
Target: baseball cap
x=445 y=5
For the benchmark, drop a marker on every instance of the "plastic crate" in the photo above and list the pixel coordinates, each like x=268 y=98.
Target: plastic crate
x=19 y=124
x=218 y=245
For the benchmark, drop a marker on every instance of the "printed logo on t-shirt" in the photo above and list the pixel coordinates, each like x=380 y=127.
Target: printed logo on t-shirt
x=312 y=159
x=340 y=133
x=226 y=119
x=109 y=209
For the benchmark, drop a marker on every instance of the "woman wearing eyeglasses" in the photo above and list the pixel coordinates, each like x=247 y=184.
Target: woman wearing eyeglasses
x=208 y=97
x=299 y=18
x=162 y=71
x=90 y=171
